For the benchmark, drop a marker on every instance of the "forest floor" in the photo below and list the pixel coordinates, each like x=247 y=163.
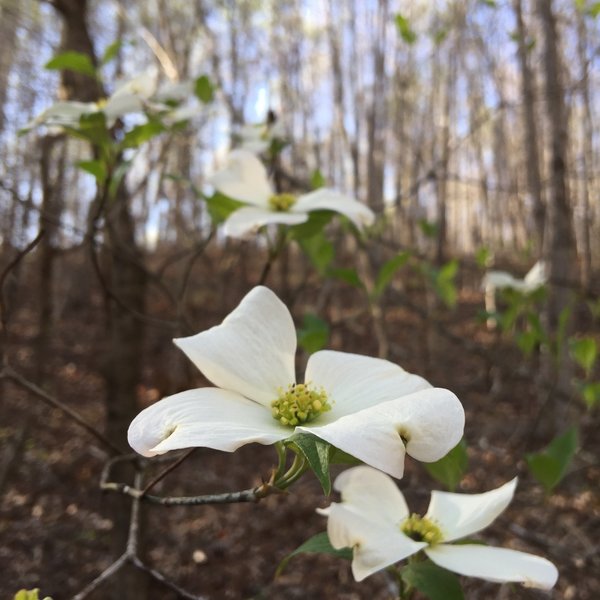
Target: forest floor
x=55 y=529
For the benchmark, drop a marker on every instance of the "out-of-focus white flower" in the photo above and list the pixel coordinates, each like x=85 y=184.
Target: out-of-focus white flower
x=367 y=407
x=373 y=519
x=129 y=97
x=535 y=278
x=502 y=280
x=258 y=137
x=245 y=179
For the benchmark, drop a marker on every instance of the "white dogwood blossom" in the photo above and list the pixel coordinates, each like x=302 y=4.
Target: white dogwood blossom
x=258 y=137
x=535 y=278
x=367 y=407
x=373 y=519
x=245 y=179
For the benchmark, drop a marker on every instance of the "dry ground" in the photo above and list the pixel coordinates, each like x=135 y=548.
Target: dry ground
x=55 y=529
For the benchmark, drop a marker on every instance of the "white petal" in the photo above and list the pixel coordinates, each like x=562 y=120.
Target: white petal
x=498 y=280
x=495 y=564
x=205 y=417
x=432 y=420
x=178 y=91
x=370 y=490
x=123 y=104
x=327 y=199
x=244 y=178
x=460 y=515
x=536 y=277
x=252 y=351
x=375 y=545
x=250 y=218
x=354 y=382
x=142 y=85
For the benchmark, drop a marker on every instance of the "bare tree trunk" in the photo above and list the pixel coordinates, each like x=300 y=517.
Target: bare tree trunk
x=122 y=361
x=587 y=154
x=534 y=180
x=560 y=242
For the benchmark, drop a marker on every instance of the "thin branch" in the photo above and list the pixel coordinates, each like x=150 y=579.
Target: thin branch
x=9 y=373
x=168 y=470
x=11 y=265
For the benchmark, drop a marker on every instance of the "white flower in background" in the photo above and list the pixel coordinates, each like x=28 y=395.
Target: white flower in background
x=501 y=280
x=129 y=97
x=245 y=179
x=534 y=279
x=373 y=519
x=257 y=137
x=367 y=407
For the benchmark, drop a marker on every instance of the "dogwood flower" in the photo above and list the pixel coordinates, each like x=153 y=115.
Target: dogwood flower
x=373 y=519
x=535 y=278
x=500 y=280
x=130 y=96
x=367 y=407
x=257 y=137
x=245 y=179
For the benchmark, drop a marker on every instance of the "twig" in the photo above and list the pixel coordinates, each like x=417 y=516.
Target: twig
x=250 y=495
x=11 y=265
x=166 y=471
x=9 y=373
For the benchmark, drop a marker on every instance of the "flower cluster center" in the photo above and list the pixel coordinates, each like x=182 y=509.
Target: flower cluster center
x=420 y=529
x=282 y=202
x=299 y=404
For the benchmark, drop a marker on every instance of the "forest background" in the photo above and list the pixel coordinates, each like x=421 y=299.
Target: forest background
x=469 y=127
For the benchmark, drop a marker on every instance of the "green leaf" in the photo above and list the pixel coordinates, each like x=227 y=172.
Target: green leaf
x=317 y=544
x=594 y=10
x=92 y=127
x=317 y=221
x=550 y=465
x=387 y=272
x=350 y=276
x=111 y=52
x=490 y=3
x=204 y=89
x=443 y=282
x=428 y=229
x=591 y=393
x=72 y=61
x=450 y=469
x=584 y=351
x=316 y=452
x=314 y=333
x=97 y=168
x=319 y=250
x=405 y=30
x=339 y=457
x=483 y=257
x=317 y=180
x=220 y=206
x=142 y=133
x=432 y=581
x=117 y=177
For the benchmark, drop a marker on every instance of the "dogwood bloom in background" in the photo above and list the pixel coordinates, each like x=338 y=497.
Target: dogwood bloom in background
x=373 y=519
x=500 y=280
x=245 y=179
x=367 y=407
x=257 y=137
x=129 y=97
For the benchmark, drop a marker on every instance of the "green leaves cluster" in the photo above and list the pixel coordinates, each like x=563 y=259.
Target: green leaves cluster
x=550 y=465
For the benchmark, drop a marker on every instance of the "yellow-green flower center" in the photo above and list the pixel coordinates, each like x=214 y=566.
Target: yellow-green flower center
x=299 y=404
x=282 y=202
x=421 y=529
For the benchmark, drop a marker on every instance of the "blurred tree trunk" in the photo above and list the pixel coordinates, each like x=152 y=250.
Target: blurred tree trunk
x=530 y=137
x=560 y=241
x=587 y=153
x=122 y=361
x=377 y=113
x=52 y=170
x=9 y=16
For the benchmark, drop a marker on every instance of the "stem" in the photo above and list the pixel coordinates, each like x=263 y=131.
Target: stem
x=274 y=252
x=298 y=468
